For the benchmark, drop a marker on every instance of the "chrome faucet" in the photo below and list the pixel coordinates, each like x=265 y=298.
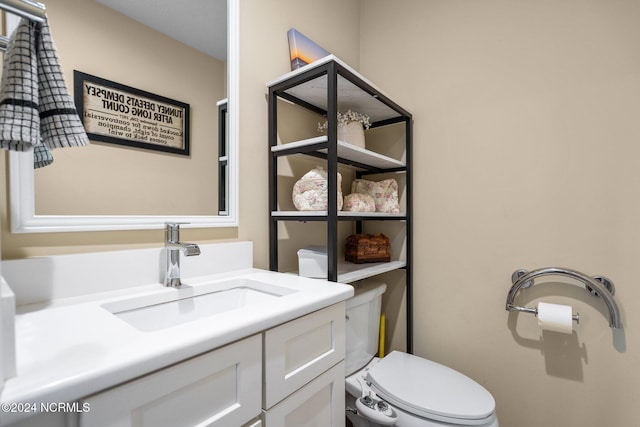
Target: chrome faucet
x=173 y=246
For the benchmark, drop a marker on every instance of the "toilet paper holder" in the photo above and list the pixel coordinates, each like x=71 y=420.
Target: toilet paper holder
x=533 y=310
x=597 y=285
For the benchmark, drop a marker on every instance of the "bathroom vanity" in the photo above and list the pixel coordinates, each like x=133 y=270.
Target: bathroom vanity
x=271 y=354
x=303 y=382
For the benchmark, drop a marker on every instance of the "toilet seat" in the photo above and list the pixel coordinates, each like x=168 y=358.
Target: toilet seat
x=430 y=390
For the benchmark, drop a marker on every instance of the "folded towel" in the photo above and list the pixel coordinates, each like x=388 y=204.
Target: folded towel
x=19 y=119
x=36 y=109
x=60 y=125
x=41 y=156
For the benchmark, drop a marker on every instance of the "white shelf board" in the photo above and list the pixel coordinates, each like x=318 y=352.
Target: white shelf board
x=347 y=151
x=319 y=63
x=340 y=213
x=349 y=272
x=350 y=96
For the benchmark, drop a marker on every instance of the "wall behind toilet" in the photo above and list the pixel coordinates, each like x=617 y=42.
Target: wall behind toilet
x=526 y=156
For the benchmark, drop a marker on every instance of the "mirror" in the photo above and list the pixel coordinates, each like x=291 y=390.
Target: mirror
x=23 y=186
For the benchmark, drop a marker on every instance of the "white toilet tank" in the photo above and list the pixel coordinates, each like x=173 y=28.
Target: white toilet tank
x=363 y=325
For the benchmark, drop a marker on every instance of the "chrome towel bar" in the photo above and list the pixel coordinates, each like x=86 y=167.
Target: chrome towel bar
x=597 y=286
x=31 y=10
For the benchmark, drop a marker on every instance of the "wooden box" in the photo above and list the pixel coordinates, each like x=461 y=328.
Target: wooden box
x=361 y=248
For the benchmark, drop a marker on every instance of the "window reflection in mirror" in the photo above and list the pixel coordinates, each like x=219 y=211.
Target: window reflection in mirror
x=223 y=157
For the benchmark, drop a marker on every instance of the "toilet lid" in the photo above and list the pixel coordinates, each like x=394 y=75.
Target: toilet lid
x=430 y=390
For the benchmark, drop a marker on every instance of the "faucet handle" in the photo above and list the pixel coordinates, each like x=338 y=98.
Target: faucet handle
x=172 y=231
x=174 y=224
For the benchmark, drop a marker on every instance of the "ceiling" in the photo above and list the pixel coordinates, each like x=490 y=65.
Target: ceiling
x=201 y=24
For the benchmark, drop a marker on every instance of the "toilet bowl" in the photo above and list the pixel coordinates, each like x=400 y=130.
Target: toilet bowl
x=402 y=389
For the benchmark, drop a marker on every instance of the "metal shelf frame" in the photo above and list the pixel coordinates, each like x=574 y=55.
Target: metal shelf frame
x=333 y=69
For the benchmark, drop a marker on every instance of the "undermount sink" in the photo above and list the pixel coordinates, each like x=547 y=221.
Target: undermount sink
x=188 y=303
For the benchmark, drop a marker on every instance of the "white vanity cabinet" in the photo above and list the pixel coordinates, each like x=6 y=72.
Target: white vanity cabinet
x=291 y=375
x=217 y=389
x=304 y=371
x=319 y=403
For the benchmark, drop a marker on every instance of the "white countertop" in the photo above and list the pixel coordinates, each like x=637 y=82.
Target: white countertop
x=74 y=347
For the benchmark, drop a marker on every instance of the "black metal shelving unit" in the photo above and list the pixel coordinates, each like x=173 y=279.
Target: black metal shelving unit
x=326 y=87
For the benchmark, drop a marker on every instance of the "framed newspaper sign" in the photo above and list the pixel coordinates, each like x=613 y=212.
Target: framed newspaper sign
x=119 y=114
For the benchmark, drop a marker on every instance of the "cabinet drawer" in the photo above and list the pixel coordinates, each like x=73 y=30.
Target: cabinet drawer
x=217 y=389
x=298 y=351
x=47 y=420
x=319 y=403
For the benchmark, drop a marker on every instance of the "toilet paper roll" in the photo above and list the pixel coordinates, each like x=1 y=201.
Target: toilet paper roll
x=555 y=317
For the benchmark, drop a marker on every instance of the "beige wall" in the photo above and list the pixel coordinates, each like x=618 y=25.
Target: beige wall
x=114 y=180
x=265 y=56
x=525 y=121
x=526 y=156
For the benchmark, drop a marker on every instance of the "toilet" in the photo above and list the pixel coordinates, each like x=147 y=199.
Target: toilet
x=402 y=389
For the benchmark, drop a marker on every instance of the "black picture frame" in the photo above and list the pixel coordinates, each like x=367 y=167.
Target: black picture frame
x=118 y=114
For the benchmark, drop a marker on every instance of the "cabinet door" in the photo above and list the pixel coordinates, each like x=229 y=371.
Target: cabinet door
x=300 y=350
x=48 y=420
x=219 y=388
x=319 y=403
